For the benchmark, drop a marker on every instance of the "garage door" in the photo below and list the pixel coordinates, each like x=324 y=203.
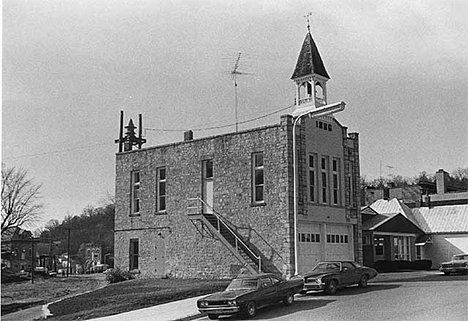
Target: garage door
x=309 y=247
x=339 y=242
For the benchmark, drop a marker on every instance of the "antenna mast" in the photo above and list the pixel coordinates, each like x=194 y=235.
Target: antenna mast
x=234 y=74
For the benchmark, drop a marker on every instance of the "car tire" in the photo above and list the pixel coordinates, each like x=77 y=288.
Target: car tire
x=289 y=298
x=331 y=287
x=363 y=281
x=250 y=309
x=213 y=316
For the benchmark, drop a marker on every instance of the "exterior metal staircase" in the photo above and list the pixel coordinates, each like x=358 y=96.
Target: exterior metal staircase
x=218 y=227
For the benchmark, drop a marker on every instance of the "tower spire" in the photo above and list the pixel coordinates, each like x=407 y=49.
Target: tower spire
x=310 y=74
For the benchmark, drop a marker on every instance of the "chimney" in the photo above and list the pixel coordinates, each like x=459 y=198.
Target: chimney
x=441 y=181
x=188 y=135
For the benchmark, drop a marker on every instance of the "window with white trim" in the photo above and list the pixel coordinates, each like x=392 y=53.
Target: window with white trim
x=309 y=237
x=135 y=193
x=134 y=254
x=161 y=189
x=258 y=180
x=313 y=178
x=336 y=181
x=324 y=180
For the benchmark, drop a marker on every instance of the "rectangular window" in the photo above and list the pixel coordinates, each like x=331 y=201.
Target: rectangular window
x=208 y=169
x=134 y=253
x=135 y=193
x=324 y=170
x=402 y=248
x=312 y=178
x=379 y=245
x=336 y=181
x=161 y=189
x=258 y=185
x=418 y=252
x=351 y=192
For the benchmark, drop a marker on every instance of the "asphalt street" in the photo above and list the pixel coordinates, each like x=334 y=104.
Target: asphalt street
x=428 y=296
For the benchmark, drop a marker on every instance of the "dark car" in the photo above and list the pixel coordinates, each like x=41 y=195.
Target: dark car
x=459 y=264
x=247 y=293
x=329 y=276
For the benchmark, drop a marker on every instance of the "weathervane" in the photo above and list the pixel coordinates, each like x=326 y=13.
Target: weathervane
x=307 y=16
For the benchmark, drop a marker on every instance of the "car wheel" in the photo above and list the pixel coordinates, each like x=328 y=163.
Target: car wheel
x=289 y=298
x=363 y=281
x=331 y=287
x=251 y=309
x=213 y=316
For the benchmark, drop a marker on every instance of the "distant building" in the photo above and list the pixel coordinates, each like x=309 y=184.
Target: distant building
x=442 y=191
x=17 y=248
x=208 y=207
x=389 y=232
x=435 y=230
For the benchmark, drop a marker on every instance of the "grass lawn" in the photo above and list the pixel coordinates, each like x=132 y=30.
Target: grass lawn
x=22 y=295
x=131 y=295
x=104 y=299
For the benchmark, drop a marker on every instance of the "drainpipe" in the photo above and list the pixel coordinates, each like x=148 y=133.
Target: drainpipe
x=312 y=112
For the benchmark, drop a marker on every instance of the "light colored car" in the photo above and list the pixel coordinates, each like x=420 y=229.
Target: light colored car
x=459 y=264
x=331 y=275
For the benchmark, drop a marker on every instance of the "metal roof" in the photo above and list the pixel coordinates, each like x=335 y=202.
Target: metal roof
x=442 y=219
x=309 y=61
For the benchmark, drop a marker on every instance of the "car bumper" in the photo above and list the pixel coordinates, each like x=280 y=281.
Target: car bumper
x=454 y=269
x=313 y=287
x=219 y=310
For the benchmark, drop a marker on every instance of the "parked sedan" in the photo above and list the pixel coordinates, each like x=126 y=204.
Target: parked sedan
x=329 y=276
x=248 y=293
x=459 y=264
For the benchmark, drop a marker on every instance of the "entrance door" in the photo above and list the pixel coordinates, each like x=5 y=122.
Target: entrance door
x=159 y=255
x=207 y=185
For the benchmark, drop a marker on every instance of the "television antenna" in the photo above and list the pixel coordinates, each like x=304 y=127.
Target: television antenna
x=234 y=73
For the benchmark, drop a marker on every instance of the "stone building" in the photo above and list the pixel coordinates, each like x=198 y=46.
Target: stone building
x=208 y=207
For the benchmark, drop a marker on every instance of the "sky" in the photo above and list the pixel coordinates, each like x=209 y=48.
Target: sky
x=71 y=66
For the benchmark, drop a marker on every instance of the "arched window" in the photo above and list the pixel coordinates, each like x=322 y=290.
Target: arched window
x=319 y=93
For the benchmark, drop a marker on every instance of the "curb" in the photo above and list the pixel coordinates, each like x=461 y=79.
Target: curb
x=191 y=317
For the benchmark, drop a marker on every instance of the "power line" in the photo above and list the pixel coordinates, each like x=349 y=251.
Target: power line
x=152 y=129
x=222 y=126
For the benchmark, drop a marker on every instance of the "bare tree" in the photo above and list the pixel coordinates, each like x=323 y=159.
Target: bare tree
x=20 y=198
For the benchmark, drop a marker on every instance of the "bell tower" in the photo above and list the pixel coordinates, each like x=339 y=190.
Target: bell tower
x=310 y=75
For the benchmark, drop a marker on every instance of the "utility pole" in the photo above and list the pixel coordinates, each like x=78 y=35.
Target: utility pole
x=69 y=256
x=33 y=254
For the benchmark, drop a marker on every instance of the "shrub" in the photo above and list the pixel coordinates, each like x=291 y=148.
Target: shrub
x=423 y=264
x=118 y=275
x=385 y=266
x=405 y=265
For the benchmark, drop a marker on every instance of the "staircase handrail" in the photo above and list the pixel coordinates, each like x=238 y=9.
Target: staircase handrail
x=220 y=218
